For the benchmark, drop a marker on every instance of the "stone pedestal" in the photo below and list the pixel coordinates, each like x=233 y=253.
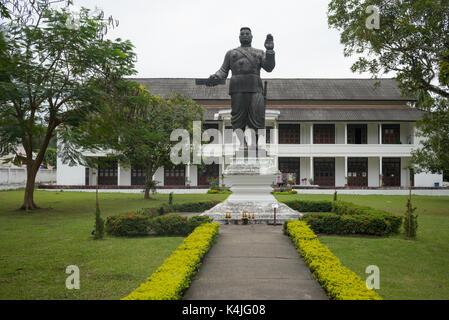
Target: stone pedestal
x=250 y=180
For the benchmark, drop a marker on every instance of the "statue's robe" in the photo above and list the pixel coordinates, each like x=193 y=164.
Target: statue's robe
x=248 y=104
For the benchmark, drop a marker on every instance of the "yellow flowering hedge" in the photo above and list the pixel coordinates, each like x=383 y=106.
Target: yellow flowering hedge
x=339 y=282
x=173 y=277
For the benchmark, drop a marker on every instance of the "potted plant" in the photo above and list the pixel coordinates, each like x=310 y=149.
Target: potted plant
x=227 y=217
x=252 y=216
x=244 y=217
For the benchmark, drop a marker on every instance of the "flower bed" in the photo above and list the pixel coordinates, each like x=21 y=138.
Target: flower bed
x=174 y=276
x=339 y=282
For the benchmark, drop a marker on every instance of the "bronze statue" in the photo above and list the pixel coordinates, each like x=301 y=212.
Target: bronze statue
x=247 y=96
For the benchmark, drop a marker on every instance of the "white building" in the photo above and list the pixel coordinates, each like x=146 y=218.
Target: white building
x=330 y=132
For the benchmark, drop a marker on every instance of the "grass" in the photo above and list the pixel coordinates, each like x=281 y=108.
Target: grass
x=37 y=246
x=408 y=269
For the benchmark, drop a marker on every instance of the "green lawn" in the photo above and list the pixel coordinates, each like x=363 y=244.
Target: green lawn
x=408 y=269
x=36 y=247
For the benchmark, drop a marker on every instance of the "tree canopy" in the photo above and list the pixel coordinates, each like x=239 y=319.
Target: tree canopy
x=135 y=127
x=412 y=41
x=48 y=76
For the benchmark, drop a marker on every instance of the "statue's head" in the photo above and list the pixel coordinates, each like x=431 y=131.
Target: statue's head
x=245 y=36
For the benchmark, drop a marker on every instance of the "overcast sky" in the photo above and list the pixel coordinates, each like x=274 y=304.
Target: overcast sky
x=177 y=39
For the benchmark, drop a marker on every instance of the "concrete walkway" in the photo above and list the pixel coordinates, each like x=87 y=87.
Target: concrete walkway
x=253 y=262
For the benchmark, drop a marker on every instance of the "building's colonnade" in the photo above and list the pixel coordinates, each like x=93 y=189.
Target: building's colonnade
x=370 y=154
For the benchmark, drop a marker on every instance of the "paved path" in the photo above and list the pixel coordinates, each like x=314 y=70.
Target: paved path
x=253 y=262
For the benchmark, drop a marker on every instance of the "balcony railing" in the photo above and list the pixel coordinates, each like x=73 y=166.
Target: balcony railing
x=322 y=150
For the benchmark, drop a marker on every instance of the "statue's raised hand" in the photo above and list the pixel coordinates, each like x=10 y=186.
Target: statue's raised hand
x=269 y=44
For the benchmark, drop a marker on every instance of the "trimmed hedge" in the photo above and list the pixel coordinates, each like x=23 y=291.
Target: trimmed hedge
x=175 y=225
x=340 y=217
x=310 y=206
x=133 y=224
x=284 y=192
x=174 y=276
x=127 y=225
x=339 y=282
x=215 y=191
x=189 y=206
x=331 y=223
x=393 y=222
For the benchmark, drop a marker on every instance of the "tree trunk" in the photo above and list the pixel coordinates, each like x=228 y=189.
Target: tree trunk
x=33 y=165
x=148 y=182
x=28 y=201
x=147 y=193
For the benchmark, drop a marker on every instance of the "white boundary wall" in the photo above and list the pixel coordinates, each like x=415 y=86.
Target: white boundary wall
x=15 y=178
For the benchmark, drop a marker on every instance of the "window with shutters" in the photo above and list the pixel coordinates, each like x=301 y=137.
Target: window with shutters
x=324 y=171
x=289 y=133
x=324 y=134
x=391 y=172
x=357 y=133
x=391 y=133
x=358 y=172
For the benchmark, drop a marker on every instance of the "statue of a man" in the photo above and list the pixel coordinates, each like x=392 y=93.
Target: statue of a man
x=245 y=62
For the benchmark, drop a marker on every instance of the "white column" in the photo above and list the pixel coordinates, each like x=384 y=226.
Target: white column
x=276 y=143
x=311 y=169
x=346 y=133
x=187 y=174
x=311 y=133
x=118 y=175
x=380 y=133
x=346 y=169
x=380 y=171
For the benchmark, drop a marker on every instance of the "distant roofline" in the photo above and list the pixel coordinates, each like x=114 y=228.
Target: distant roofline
x=183 y=78
x=380 y=99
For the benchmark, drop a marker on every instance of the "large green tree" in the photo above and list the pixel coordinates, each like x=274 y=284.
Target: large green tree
x=49 y=75
x=136 y=127
x=411 y=40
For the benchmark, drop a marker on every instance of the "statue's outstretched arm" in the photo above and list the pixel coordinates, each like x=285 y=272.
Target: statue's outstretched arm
x=224 y=70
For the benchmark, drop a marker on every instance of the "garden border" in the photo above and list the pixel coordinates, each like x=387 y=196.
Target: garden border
x=339 y=282
x=174 y=276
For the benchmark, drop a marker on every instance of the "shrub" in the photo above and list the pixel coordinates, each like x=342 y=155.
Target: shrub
x=331 y=223
x=310 y=206
x=393 y=222
x=339 y=282
x=221 y=191
x=173 y=277
x=284 y=192
x=176 y=225
x=127 y=225
x=194 y=206
x=196 y=221
x=169 y=225
x=137 y=224
x=148 y=212
x=214 y=183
